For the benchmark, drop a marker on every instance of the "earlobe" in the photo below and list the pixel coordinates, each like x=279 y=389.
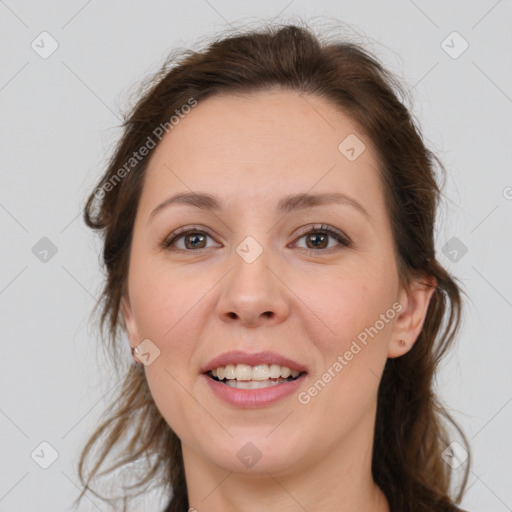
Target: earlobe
x=408 y=325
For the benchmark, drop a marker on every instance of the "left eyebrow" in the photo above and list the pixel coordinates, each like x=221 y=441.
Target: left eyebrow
x=304 y=201
x=287 y=204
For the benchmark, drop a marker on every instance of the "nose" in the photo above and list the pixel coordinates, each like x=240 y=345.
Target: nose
x=253 y=294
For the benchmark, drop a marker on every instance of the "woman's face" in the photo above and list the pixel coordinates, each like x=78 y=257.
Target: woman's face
x=249 y=279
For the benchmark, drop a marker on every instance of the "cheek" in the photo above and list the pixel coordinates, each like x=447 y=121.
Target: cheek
x=360 y=315
x=164 y=309
x=346 y=305
x=166 y=313
x=162 y=297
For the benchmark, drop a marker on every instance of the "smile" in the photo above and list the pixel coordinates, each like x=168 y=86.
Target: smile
x=249 y=380
x=244 y=376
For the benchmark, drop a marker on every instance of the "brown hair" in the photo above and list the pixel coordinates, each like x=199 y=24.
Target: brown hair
x=410 y=431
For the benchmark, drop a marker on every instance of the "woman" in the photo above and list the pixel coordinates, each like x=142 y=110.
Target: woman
x=268 y=220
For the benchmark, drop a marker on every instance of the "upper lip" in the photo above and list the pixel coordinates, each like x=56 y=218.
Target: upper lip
x=252 y=359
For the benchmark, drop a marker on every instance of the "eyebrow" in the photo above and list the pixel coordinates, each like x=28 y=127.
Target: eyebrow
x=287 y=204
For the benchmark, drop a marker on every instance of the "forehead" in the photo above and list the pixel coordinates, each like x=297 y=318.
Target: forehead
x=264 y=143
x=259 y=124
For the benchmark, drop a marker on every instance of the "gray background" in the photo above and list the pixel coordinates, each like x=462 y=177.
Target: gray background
x=60 y=117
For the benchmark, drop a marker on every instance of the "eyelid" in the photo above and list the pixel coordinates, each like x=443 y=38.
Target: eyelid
x=179 y=233
x=324 y=228
x=343 y=241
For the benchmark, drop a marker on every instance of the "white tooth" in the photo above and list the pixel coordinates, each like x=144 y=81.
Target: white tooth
x=285 y=372
x=220 y=372
x=214 y=372
x=243 y=372
x=294 y=374
x=275 y=371
x=260 y=372
x=229 y=371
x=251 y=384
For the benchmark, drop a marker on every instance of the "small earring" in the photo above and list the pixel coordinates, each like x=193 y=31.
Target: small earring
x=402 y=342
x=135 y=351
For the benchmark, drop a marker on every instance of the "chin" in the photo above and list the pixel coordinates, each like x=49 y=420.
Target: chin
x=258 y=452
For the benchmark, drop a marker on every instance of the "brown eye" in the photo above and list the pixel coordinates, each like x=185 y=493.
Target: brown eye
x=318 y=238
x=193 y=239
x=196 y=241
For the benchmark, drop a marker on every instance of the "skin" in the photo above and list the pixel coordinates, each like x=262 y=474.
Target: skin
x=304 y=302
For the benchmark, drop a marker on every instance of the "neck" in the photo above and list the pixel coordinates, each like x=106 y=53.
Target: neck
x=339 y=479
x=233 y=493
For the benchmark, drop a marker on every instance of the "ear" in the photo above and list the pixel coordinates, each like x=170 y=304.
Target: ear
x=129 y=321
x=415 y=299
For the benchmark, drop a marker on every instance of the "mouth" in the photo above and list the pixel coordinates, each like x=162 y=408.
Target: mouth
x=244 y=376
x=248 y=380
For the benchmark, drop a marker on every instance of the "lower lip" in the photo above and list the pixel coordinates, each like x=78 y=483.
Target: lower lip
x=253 y=397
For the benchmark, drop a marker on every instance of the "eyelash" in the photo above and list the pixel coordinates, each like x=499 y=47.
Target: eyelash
x=343 y=240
